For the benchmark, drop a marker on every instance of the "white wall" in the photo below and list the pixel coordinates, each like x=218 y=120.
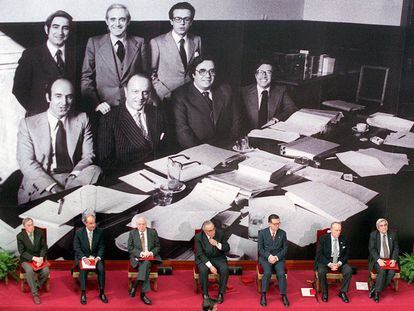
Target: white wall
x=381 y=12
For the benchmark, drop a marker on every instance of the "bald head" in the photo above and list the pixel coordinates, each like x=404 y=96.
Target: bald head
x=137 y=92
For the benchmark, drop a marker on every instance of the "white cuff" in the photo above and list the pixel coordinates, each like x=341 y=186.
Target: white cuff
x=218 y=246
x=208 y=264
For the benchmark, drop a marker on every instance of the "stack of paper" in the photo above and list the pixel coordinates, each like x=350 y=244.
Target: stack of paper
x=308 y=147
x=343 y=105
x=144 y=180
x=273 y=134
x=400 y=139
x=260 y=168
x=390 y=122
x=310 y=172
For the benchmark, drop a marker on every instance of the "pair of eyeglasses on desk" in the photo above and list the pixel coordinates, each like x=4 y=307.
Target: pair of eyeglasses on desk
x=173 y=161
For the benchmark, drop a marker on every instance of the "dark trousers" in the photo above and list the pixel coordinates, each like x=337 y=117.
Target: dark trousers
x=268 y=269
x=384 y=278
x=346 y=271
x=143 y=268
x=222 y=269
x=100 y=271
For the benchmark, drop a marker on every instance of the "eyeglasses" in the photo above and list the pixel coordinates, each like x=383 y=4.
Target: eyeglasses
x=203 y=72
x=264 y=72
x=275 y=223
x=179 y=164
x=178 y=19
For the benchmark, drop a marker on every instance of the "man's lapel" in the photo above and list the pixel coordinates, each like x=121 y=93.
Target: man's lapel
x=218 y=103
x=253 y=104
x=106 y=53
x=174 y=53
x=129 y=128
x=41 y=132
x=48 y=62
x=72 y=134
x=272 y=102
x=130 y=55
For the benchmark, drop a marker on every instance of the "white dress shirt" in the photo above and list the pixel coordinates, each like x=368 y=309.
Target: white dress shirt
x=177 y=39
x=140 y=119
x=259 y=94
x=114 y=41
x=53 y=49
x=332 y=249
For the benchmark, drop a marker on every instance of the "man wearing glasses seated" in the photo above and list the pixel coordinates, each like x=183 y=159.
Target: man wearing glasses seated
x=204 y=112
x=263 y=100
x=171 y=53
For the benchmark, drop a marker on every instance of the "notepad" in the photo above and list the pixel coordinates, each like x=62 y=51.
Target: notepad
x=343 y=105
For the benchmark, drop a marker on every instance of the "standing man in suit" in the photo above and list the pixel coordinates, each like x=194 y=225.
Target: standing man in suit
x=32 y=247
x=272 y=244
x=332 y=255
x=132 y=132
x=211 y=248
x=55 y=148
x=143 y=247
x=171 y=53
x=41 y=65
x=263 y=100
x=110 y=60
x=88 y=245
x=204 y=113
x=383 y=244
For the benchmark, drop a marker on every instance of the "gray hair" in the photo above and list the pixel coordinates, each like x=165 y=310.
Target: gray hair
x=86 y=215
x=207 y=223
x=26 y=220
x=118 y=6
x=380 y=221
x=336 y=223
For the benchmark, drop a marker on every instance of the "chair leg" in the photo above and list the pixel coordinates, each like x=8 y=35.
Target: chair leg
x=22 y=285
x=396 y=285
x=48 y=285
x=259 y=285
x=129 y=283
x=196 y=286
x=155 y=284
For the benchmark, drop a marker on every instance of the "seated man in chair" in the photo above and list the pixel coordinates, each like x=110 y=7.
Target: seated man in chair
x=272 y=244
x=212 y=246
x=143 y=247
x=332 y=255
x=382 y=245
x=32 y=247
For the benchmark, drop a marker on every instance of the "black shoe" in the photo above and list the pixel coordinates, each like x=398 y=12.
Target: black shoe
x=83 y=299
x=285 y=301
x=103 y=298
x=220 y=298
x=263 y=301
x=324 y=297
x=376 y=297
x=344 y=297
x=145 y=299
x=371 y=292
x=132 y=292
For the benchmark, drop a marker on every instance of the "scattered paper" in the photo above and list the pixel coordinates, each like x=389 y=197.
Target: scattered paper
x=227 y=218
x=141 y=180
x=400 y=139
x=273 y=134
x=242 y=248
x=308 y=292
x=390 y=122
x=361 y=285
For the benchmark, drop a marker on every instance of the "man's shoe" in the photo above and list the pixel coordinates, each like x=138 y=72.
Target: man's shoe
x=376 y=297
x=132 y=292
x=103 y=298
x=83 y=299
x=145 y=299
x=36 y=299
x=371 y=292
x=285 y=301
x=220 y=298
x=263 y=301
x=324 y=297
x=344 y=297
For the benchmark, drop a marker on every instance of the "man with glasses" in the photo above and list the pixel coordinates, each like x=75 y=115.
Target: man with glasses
x=204 y=112
x=263 y=100
x=272 y=245
x=171 y=53
x=383 y=255
x=110 y=60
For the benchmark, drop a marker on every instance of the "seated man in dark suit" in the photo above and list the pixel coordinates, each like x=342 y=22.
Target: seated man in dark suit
x=88 y=245
x=264 y=100
x=32 y=247
x=41 y=65
x=332 y=255
x=143 y=247
x=204 y=113
x=210 y=257
x=130 y=134
x=55 y=148
x=383 y=244
x=272 y=245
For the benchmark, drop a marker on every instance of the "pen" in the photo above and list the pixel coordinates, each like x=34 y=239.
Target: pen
x=294 y=170
x=147 y=178
x=60 y=206
x=402 y=136
x=331 y=158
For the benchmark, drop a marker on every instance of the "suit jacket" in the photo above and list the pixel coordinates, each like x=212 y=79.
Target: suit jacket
x=324 y=250
x=34 y=149
x=134 y=245
x=102 y=78
x=205 y=251
x=36 y=69
x=374 y=247
x=267 y=246
x=27 y=249
x=121 y=143
x=81 y=244
x=194 y=122
x=280 y=105
x=166 y=62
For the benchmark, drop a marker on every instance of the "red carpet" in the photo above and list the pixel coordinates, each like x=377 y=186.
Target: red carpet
x=176 y=292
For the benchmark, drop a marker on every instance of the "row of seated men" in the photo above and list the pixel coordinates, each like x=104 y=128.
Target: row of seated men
x=210 y=257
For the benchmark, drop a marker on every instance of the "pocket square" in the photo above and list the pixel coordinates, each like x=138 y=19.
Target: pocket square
x=196 y=54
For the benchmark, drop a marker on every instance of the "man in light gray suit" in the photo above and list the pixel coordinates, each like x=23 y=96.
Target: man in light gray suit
x=171 y=53
x=55 y=148
x=110 y=60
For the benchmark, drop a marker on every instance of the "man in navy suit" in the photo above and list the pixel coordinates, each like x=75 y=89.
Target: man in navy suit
x=383 y=244
x=88 y=245
x=272 y=245
x=332 y=255
x=41 y=65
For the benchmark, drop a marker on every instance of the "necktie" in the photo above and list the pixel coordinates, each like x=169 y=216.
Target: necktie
x=31 y=237
x=273 y=235
x=183 y=54
x=63 y=162
x=385 y=246
x=120 y=52
x=263 y=109
x=59 y=62
x=139 y=121
x=90 y=233
x=142 y=241
x=335 y=251
x=207 y=98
